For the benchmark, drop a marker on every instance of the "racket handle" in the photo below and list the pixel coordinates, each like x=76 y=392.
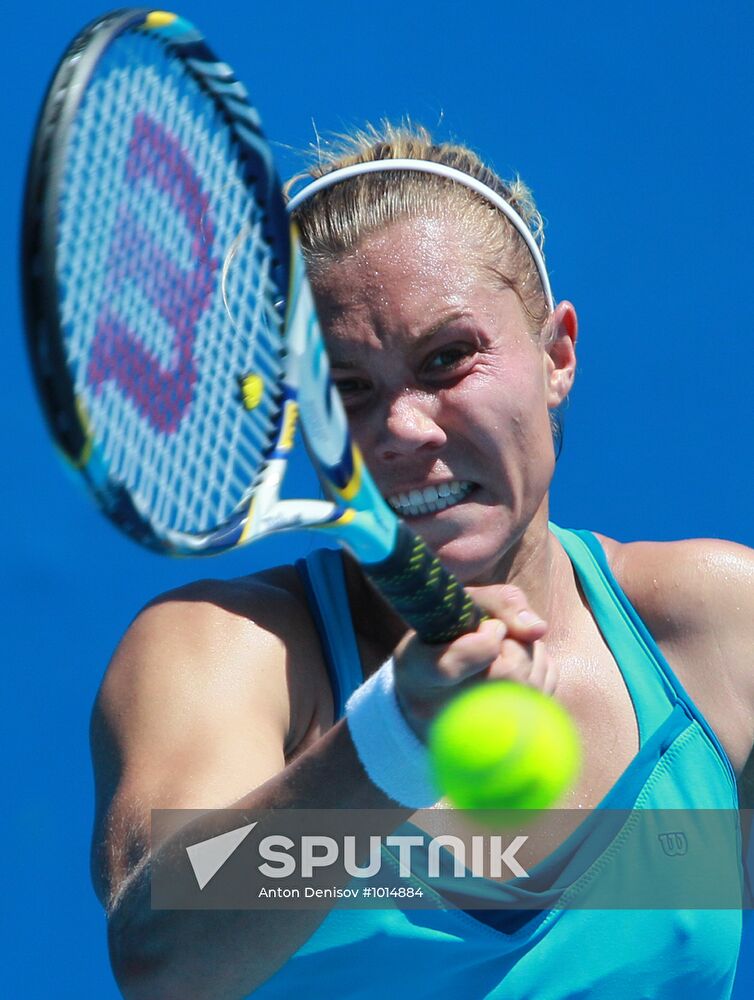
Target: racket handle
x=426 y=595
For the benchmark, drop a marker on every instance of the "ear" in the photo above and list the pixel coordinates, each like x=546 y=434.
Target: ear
x=560 y=333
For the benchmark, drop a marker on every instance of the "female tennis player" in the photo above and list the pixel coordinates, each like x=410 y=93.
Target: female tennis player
x=300 y=687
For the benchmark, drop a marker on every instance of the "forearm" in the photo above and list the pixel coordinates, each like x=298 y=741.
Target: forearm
x=217 y=954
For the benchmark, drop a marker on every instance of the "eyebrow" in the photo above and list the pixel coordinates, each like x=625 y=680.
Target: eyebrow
x=422 y=338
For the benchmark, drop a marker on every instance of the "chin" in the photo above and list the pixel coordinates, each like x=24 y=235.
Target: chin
x=474 y=560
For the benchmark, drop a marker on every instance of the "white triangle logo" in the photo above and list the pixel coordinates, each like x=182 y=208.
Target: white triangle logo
x=208 y=856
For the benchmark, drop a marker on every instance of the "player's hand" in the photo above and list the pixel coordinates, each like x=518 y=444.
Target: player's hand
x=508 y=646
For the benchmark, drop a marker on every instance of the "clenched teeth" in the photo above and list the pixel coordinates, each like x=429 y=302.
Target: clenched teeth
x=429 y=499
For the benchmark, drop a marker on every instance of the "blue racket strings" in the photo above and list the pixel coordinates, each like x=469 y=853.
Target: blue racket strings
x=158 y=333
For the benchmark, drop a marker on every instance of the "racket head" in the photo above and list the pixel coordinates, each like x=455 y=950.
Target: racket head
x=159 y=365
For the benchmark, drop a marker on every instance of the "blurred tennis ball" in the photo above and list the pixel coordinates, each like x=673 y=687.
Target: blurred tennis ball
x=502 y=745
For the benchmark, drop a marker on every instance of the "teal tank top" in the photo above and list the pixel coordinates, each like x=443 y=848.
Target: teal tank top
x=538 y=952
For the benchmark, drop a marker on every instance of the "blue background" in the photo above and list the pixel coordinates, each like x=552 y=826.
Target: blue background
x=631 y=121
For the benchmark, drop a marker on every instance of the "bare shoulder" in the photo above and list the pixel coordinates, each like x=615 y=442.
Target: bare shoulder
x=687 y=587
x=696 y=597
x=213 y=688
x=235 y=641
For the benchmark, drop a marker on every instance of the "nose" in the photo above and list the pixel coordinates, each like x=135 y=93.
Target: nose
x=410 y=425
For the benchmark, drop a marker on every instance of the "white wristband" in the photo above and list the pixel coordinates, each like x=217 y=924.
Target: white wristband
x=392 y=755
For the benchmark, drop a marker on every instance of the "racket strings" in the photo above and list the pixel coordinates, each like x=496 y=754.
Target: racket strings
x=157 y=330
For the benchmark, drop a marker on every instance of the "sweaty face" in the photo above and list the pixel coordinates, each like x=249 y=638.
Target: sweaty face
x=444 y=386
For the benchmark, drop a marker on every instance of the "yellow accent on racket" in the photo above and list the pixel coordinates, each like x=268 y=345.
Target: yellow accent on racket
x=252 y=387
x=352 y=487
x=290 y=419
x=160 y=18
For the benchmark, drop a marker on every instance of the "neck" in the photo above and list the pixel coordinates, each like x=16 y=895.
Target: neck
x=530 y=563
x=539 y=566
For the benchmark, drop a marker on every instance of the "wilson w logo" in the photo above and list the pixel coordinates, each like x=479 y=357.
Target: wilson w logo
x=673 y=844
x=142 y=276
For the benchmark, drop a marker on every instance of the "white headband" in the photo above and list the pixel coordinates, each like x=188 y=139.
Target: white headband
x=432 y=167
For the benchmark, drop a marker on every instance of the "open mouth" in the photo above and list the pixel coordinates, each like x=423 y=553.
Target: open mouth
x=430 y=499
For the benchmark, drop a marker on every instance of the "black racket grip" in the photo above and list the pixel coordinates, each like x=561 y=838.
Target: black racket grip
x=423 y=592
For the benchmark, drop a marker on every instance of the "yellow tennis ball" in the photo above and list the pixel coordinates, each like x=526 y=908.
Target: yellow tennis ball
x=501 y=745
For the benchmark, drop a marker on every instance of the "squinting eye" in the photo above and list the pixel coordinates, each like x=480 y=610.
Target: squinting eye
x=448 y=359
x=352 y=389
x=350 y=384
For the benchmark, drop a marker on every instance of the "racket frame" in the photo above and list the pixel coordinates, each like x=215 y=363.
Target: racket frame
x=354 y=513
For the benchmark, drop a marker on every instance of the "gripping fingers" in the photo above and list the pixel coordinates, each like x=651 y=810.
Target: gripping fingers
x=472 y=653
x=427 y=677
x=434 y=667
x=510 y=605
x=526 y=663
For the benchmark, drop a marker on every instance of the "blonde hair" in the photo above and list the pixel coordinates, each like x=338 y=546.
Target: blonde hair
x=333 y=221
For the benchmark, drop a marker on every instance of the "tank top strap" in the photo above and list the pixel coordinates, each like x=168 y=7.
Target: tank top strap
x=651 y=682
x=324 y=580
x=639 y=660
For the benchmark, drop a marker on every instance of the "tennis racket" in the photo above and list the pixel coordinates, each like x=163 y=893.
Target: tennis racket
x=170 y=324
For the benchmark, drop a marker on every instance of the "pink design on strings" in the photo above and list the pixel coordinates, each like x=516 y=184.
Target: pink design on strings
x=180 y=295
